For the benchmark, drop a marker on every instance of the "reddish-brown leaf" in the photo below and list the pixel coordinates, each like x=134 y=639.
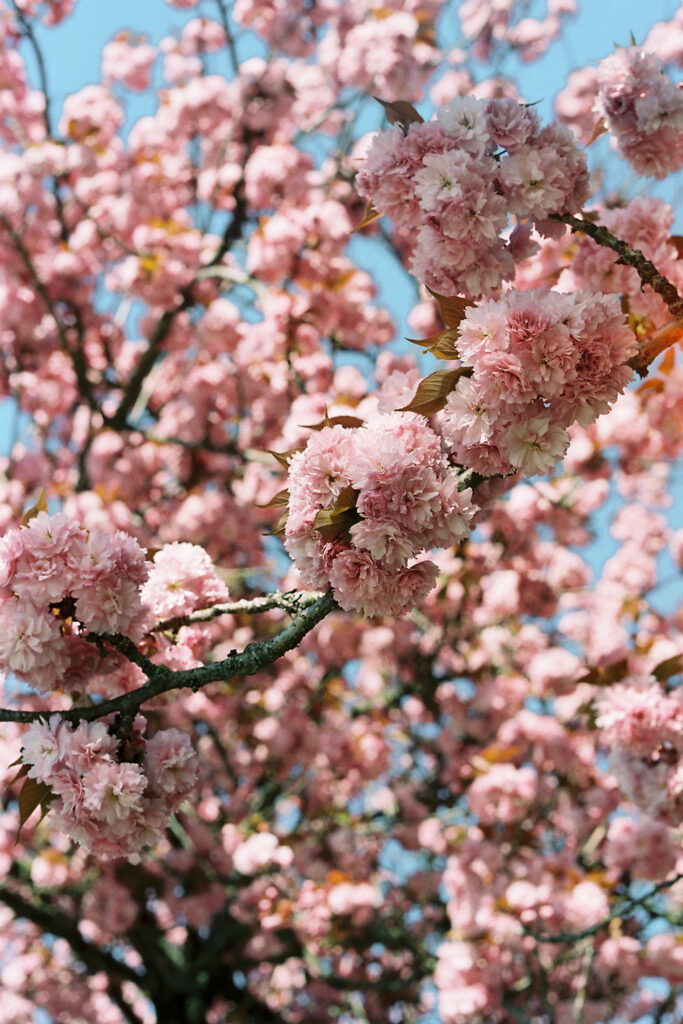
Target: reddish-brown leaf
x=401 y=113
x=333 y=421
x=600 y=129
x=33 y=794
x=451 y=307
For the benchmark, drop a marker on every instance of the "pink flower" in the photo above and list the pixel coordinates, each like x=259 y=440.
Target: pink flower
x=171 y=764
x=637 y=716
x=643 y=109
x=182 y=580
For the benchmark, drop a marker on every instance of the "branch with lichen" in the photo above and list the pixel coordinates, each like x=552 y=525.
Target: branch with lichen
x=161 y=679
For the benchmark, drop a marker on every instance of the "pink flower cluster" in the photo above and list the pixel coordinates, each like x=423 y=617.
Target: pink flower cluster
x=643 y=109
x=451 y=184
x=113 y=808
x=181 y=580
x=401 y=498
x=56 y=581
x=644 y=728
x=541 y=360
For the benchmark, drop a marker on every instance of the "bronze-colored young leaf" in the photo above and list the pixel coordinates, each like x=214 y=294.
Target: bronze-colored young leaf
x=605 y=675
x=277 y=501
x=22 y=773
x=432 y=392
x=284 y=457
x=369 y=217
x=330 y=523
x=442 y=345
x=668 y=668
x=401 y=113
x=333 y=421
x=33 y=794
x=40 y=506
x=451 y=307
x=279 y=528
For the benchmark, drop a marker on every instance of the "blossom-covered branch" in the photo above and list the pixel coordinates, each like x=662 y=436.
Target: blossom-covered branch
x=252 y=659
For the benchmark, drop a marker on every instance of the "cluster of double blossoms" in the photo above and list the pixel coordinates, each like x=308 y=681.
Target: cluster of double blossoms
x=112 y=806
x=364 y=502
x=62 y=589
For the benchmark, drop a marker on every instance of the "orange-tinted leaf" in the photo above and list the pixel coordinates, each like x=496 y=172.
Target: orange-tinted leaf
x=433 y=391
x=371 y=214
x=668 y=668
x=280 y=499
x=668 y=362
x=33 y=794
x=600 y=129
x=496 y=754
x=451 y=307
x=442 y=344
x=666 y=336
x=40 y=506
x=401 y=113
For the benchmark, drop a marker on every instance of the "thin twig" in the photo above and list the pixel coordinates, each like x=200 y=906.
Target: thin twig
x=291 y=601
x=619 y=910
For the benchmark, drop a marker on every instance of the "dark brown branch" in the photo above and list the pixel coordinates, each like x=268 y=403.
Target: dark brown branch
x=76 y=355
x=49 y=919
x=162 y=679
x=119 y=421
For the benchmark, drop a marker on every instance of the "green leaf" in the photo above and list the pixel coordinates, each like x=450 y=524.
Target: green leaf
x=432 y=392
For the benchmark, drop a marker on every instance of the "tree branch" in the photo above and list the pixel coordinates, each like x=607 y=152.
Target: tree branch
x=619 y=910
x=628 y=256
x=291 y=601
x=162 y=679
x=50 y=919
